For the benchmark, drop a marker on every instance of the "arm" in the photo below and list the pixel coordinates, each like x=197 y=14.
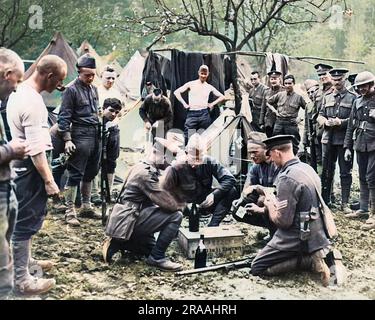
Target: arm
x=65 y=115
x=224 y=177
x=348 y=141
x=263 y=108
x=143 y=111
x=218 y=94
x=41 y=164
x=302 y=103
x=6 y=154
x=282 y=209
x=180 y=90
x=168 y=123
x=322 y=118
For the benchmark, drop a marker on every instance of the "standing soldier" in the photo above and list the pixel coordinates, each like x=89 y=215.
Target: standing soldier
x=287 y=104
x=309 y=136
x=267 y=117
x=334 y=116
x=28 y=120
x=361 y=132
x=326 y=81
x=78 y=124
x=256 y=97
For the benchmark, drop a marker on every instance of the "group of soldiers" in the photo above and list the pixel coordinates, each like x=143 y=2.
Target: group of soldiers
x=157 y=190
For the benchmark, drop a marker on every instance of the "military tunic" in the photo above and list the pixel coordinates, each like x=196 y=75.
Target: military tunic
x=296 y=194
x=360 y=134
x=336 y=104
x=256 y=97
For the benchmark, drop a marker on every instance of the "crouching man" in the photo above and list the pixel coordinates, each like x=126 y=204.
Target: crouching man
x=300 y=241
x=155 y=209
x=262 y=173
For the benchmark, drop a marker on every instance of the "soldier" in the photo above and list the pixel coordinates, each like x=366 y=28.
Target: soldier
x=267 y=117
x=310 y=137
x=198 y=116
x=361 y=133
x=256 y=96
x=190 y=179
x=11 y=74
x=263 y=173
x=28 y=120
x=296 y=199
x=334 y=116
x=322 y=71
x=157 y=107
x=287 y=104
x=78 y=125
x=156 y=210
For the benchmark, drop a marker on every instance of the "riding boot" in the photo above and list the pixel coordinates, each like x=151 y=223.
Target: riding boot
x=70 y=213
x=289 y=265
x=370 y=222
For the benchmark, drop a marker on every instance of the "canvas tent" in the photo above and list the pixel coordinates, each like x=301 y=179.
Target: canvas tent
x=130 y=79
x=60 y=47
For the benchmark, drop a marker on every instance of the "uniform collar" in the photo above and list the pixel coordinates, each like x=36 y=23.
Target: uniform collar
x=289 y=163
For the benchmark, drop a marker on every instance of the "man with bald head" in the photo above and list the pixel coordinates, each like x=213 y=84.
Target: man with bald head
x=11 y=74
x=28 y=120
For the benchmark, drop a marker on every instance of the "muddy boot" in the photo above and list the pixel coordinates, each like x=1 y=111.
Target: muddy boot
x=58 y=204
x=337 y=269
x=319 y=266
x=70 y=213
x=87 y=210
x=370 y=222
x=346 y=209
x=359 y=214
x=111 y=177
x=110 y=247
x=44 y=265
x=24 y=283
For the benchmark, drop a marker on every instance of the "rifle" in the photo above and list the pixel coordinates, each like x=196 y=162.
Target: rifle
x=232 y=265
x=104 y=183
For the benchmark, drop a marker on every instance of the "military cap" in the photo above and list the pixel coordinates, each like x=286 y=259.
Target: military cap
x=278 y=140
x=322 y=68
x=86 y=61
x=338 y=72
x=274 y=73
x=351 y=78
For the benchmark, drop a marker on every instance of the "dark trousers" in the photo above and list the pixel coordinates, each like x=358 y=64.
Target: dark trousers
x=8 y=216
x=221 y=207
x=58 y=172
x=113 y=149
x=32 y=200
x=83 y=165
x=151 y=220
x=269 y=257
x=332 y=153
x=255 y=113
x=366 y=168
x=196 y=120
x=288 y=127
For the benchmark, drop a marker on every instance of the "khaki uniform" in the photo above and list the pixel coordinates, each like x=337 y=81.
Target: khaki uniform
x=256 y=97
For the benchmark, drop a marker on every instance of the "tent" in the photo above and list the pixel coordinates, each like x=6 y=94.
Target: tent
x=60 y=47
x=226 y=140
x=130 y=79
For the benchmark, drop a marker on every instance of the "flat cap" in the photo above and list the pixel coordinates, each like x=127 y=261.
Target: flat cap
x=278 y=140
x=274 y=73
x=322 y=68
x=257 y=138
x=309 y=83
x=86 y=61
x=338 y=72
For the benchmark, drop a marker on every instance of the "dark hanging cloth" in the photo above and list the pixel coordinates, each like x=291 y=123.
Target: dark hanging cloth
x=184 y=68
x=152 y=71
x=3 y=111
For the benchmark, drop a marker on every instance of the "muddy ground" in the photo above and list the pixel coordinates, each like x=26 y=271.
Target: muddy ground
x=80 y=272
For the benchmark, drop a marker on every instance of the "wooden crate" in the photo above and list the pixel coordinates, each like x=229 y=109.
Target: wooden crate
x=219 y=240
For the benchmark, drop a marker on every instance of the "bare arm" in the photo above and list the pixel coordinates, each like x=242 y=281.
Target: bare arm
x=41 y=164
x=180 y=90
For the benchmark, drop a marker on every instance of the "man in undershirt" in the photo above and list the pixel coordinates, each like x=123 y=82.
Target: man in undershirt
x=198 y=116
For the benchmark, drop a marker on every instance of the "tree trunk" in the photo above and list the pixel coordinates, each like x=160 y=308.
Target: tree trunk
x=236 y=86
